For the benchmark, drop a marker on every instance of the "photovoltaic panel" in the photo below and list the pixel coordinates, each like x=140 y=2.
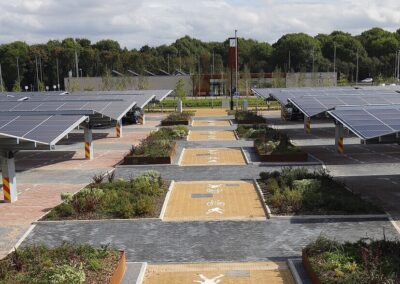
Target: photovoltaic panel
x=314 y=105
x=42 y=129
x=369 y=122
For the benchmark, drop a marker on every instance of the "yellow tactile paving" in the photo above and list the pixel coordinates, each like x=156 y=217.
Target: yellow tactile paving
x=211 y=123
x=213 y=200
x=223 y=273
x=212 y=157
x=211 y=112
x=211 y=136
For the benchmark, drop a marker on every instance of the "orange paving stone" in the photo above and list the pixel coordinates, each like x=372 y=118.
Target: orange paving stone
x=213 y=273
x=212 y=157
x=214 y=200
x=211 y=123
x=211 y=135
x=34 y=200
x=211 y=112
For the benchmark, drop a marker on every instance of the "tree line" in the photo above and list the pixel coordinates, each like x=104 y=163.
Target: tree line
x=375 y=51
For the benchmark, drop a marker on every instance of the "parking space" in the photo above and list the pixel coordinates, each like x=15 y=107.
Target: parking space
x=214 y=200
x=212 y=273
x=211 y=136
x=212 y=156
x=211 y=112
x=203 y=123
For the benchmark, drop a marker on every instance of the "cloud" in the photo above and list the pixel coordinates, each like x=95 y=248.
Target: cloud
x=137 y=22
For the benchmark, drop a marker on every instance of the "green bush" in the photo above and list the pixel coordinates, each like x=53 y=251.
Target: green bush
x=366 y=261
x=160 y=143
x=68 y=263
x=179 y=116
x=298 y=191
x=138 y=197
x=67 y=274
x=249 y=115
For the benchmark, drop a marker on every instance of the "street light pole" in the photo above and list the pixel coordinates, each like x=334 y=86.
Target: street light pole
x=357 y=69
x=58 y=75
x=1 y=81
x=334 y=57
x=236 y=61
x=398 y=66
x=19 y=79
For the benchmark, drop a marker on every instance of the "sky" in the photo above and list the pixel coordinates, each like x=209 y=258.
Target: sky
x=135 y=23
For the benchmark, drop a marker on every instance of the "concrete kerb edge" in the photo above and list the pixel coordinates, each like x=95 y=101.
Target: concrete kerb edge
x=94 y=221
x=165 y=204
x=325 y=217
x=181 y=157
x=262 y=199
x=294 y=272
x=245 y=157
x=24 y=236
x=393 y=222
x=236 y=135
x=142 y=273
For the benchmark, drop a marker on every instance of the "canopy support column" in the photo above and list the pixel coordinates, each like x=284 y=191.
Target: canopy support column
x=339 y=139
x=142 y=117
x=118 y=128
x=9 y=178
x=89 y=155
x=307 y=124
x=282 y=113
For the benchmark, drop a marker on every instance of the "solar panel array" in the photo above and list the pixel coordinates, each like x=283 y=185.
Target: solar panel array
x=43 y=129
x=44 y=117
x=314 y=105
x=283 y=95
x=369 y=122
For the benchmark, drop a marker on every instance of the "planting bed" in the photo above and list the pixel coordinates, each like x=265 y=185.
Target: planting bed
x=158 y=148
x=300 y=192
x=367 y=261
x=248 y=117
x=68 y=263
x=141 y=197
x=176 y=118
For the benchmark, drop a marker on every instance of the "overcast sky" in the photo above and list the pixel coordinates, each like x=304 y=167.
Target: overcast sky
x=135 y=23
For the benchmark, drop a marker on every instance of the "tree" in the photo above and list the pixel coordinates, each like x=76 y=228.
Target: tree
x=303 y=48
x=180 y=89
x=17 y=86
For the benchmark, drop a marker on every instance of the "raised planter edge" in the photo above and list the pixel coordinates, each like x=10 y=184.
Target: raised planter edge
x=120 y=270
x=143 y=160
x=300 y=157
x=176 y=122
x=308 y=268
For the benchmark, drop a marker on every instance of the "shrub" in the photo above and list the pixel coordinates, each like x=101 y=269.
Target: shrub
x=159 y=143
x=179 y=116
x=249 y=116
x=140 y=196
x=298 y=191
x=366 y=261
x=67 y=274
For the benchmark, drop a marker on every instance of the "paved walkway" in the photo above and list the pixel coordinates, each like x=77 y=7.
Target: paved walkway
x=158 y=242
x=42 y=176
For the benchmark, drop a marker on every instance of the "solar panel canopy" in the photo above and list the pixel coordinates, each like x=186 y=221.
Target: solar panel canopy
x=369 y=122
x=42 y=129
x=314 y=105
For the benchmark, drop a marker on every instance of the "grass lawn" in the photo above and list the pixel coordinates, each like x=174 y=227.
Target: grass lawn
x=364 y=262
x=296 y=191
x=68 y=263
x=141 y=197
